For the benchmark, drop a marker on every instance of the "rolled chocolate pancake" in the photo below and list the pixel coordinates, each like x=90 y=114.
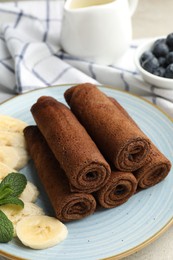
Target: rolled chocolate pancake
x=78 y=155
x=120 y=141
x=154 y=171
x=157 y=166
x=120 y=187
x=67 y=205
x=117 y=104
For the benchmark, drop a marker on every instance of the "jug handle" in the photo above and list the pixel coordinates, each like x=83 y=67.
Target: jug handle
x=132 y=5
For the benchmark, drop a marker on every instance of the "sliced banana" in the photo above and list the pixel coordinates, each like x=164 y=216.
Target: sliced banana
x=14 y=157
x=40 y=232
x=30 y=193
x=12 y=139
x=15 y=213
x=5 y=170
x=11 y=124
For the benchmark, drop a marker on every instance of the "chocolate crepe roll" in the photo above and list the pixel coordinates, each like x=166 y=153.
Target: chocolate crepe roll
x=117 y=104
x=79 y=157
x=67 y=205
x=120 y=187
x=154 y=171
x=120 y=141
x=157 y=166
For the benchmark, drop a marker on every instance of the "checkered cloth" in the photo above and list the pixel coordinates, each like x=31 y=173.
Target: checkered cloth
x=31 y=56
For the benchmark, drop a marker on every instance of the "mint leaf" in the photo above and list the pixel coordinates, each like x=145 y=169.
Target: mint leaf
x=5 y=191
x=12 y=200
x=6 y=228
x=10 y=188
x=16 y=182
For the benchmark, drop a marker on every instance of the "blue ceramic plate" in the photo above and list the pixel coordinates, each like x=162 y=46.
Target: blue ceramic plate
x=109 y=233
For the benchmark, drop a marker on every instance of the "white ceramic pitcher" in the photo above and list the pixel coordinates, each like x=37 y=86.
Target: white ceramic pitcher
x=97 y=30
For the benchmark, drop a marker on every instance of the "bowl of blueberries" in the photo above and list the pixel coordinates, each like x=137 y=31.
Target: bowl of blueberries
x=154 y=60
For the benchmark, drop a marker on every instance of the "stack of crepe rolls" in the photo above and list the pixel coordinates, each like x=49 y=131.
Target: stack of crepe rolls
x=76 y=165
x=121 y=142
x=78 y=155
x=94 y=152
x=157 y=166
x=143 y=159
x=67 y=205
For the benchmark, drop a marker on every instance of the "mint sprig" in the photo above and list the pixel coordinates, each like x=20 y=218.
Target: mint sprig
x=12 y=200
x=5 y=191
x=6 y=228
x=10 y=188
x=14 y=181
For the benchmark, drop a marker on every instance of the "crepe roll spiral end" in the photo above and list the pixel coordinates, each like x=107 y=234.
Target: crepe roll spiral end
x=91 y=178
x=118 y=190
x=76 y=207
x=133 y=155
x=151 y=175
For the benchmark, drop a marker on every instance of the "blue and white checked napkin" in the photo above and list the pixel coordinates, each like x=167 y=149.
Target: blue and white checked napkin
x=31 y=56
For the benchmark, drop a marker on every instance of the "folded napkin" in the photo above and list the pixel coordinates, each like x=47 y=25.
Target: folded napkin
x=31 y=56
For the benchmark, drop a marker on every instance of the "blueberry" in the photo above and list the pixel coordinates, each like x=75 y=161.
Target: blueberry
x=146 y=55
x=160 y=48
x=169 y=40
x=169 y=71
x=162 y=61
x=150 y=64
x=169 y=58
x=160 y=71
x=158 y=41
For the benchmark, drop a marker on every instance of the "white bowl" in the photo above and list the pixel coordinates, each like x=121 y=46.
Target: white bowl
x=154 y=80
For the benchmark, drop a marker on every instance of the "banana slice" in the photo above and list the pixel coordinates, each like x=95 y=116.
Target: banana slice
x=14 y=157
x=15 y=213
x=11 y=124
x=30 y=193
x=5 y=170
x=12 y=139
x=40 y=232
